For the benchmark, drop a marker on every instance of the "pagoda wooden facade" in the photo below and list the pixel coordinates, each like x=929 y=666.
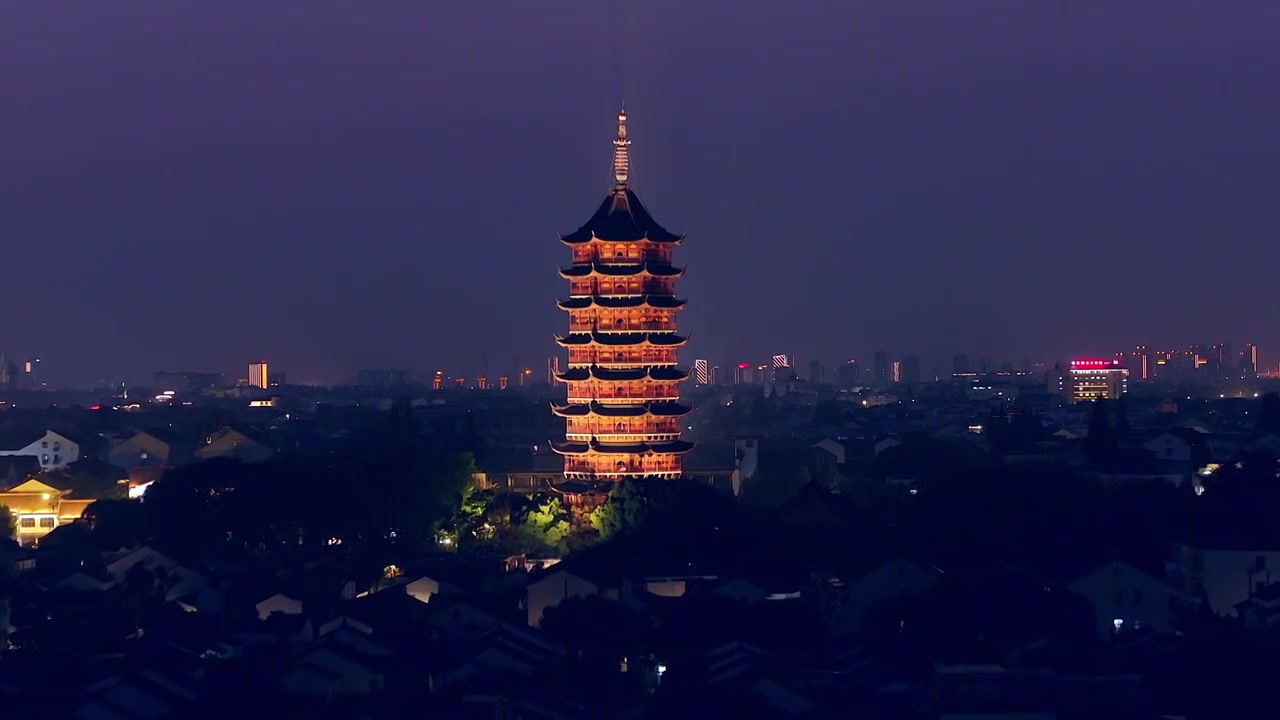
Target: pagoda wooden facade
x=623 y=415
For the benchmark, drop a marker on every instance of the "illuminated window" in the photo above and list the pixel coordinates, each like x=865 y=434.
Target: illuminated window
x=47 y=522
x=27 y=522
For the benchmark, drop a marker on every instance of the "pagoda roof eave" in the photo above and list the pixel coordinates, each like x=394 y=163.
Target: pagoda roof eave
x=595 y=372
x=652 y=269
x=571 y=240
x=621 y=339
x=621 y=218
x=659 y=409
x=661 y=302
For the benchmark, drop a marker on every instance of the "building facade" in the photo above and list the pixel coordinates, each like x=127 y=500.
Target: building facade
x=1088 y=380
x=258 y=376
x=623 y=413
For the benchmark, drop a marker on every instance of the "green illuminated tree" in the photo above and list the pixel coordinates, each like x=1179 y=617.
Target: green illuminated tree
x=548 y=522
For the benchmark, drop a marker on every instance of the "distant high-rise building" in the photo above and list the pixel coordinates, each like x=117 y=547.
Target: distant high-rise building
x=960 y=363
x=779 y=368
x=1090 y=380
x=910 y=369
x=701 y=372
x=437 y=382
x=1138 y=361
x=880 y=367
x=184 y=382
x=553 y=369
x=897 y=371
x=382 y=378
x=258 y=376
x=1249 y=360
x=817 y=373
x=32 y=378
x=715 y=374
x=848 y=375
x=742 y=374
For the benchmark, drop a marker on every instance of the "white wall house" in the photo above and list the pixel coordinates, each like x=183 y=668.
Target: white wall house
x=1169 y=447
x=52 y=449
x=1225 y=577
x=1126 y=598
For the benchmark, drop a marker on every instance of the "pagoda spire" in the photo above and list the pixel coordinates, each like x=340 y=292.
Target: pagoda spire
x=621 y=156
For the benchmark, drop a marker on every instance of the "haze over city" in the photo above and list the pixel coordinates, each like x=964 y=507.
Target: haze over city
x=190 y=185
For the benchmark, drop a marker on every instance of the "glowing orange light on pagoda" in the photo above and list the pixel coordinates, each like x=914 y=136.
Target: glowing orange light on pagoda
x=623 y=411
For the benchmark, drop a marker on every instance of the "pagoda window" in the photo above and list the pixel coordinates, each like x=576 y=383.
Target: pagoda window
x=621 y=466
x=621 y=391
x=620 y=427
x=618 y=322
x=620 y=357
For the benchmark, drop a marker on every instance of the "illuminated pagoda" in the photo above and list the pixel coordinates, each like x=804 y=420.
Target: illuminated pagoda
x=623 y=414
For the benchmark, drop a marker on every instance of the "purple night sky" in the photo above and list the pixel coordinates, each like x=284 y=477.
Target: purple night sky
x=188 y=184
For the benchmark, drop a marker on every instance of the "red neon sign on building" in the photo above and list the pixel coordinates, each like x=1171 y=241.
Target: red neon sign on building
x=1093 y=364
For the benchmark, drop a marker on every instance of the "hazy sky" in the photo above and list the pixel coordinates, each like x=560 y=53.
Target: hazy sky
x=188 y=184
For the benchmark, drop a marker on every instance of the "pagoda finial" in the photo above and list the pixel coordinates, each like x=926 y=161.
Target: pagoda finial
x=621 y=156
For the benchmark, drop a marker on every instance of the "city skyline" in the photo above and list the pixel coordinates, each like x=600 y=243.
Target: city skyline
x=324 y=195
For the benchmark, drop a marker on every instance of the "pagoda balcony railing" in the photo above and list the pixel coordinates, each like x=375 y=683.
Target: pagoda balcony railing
x=621 y=356
x=610 y=288
x=640 y=393
x=622 y=437
x=585 y=254
x=588 y=326
x=606 y=428
x=605 y=465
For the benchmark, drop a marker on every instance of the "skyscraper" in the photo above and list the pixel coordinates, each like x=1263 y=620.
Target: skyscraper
x=849 y=375
x=701 y=372
x=880 y=367
x=623 y=412
x=910 y=369
x=1249 y=360
x=258 y=376
x=817 y=373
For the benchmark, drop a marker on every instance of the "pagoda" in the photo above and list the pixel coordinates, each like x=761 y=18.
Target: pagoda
x=623 y=413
